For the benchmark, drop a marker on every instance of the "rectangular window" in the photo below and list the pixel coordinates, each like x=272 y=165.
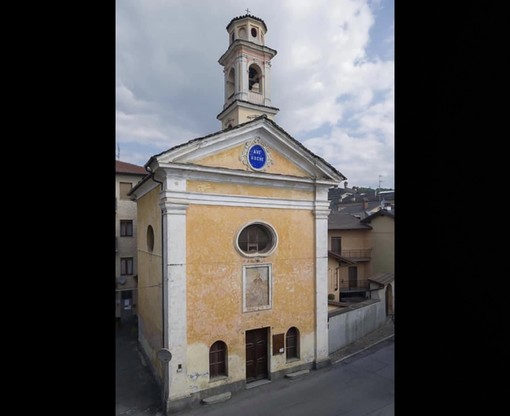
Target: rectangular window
x=126 y=228
x=257 y=281
x=336 y=245
x=126 y=266
x=124 y=188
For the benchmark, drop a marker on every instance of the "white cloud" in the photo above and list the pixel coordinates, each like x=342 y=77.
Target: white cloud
x=170 y=85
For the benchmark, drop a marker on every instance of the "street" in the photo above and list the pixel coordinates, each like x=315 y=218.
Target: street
x=362 y=385
x=359 y=386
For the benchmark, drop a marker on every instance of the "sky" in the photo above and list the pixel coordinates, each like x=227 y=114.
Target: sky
x=332 y=77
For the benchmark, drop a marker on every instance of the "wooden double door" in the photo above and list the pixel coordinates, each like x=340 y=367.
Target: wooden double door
x=256 y=354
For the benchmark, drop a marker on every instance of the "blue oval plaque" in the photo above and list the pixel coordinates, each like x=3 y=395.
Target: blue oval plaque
x=257 y=156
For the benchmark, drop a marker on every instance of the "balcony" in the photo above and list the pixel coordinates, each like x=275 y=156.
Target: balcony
x=357 y=254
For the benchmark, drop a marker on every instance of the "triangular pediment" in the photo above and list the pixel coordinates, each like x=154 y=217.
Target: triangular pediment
x=259 y=146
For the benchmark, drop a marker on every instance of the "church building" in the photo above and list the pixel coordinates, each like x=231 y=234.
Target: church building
x=233 y=243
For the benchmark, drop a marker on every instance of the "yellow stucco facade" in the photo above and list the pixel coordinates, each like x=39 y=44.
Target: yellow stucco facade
x=231 y=159
x=198 y=213
x=383 y=237
x=215 y=285
x=150 y=277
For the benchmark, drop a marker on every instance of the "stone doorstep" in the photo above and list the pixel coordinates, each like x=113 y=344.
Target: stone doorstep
x=223 y=397
x=297 y=374
x=218 y=398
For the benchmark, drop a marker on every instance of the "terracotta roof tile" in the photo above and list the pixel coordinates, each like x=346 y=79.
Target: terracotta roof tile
x=124 y=167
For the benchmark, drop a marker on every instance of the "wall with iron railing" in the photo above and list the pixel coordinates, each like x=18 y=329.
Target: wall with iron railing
x=357 y=253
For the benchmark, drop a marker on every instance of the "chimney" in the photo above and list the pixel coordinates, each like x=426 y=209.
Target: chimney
x=345 y=185
x=365 y=203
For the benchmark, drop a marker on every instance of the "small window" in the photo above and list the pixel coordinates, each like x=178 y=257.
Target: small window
x=150 y=238
x=292 y=343
x=254 y=32
x=126 y=228
x=336 y=245
x=124 y=188
x=218 y=359
x=257 y=239
x=126 y=266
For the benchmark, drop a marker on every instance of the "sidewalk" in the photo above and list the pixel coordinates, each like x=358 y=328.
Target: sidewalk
x=380 y=334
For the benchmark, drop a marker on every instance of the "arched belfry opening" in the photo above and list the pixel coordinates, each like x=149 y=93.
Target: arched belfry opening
x=231 y=83
x=255 y=79
x=247 y=70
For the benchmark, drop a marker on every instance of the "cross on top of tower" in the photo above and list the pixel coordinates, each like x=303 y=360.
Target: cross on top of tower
x=247 y=11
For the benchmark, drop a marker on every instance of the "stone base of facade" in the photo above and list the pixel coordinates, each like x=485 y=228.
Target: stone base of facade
x=317 y=365
x=194 y=400
x=187 y=403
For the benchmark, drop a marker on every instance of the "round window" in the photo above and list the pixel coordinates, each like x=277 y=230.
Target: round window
x=150 y=238
x=257 y=239
x=254 y=32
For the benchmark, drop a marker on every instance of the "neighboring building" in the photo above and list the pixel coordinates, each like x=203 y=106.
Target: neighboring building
x=371 y=200
x=127 y=176
x=361 y=250
x=382 y=224
x=349 y=257
x=232 y=244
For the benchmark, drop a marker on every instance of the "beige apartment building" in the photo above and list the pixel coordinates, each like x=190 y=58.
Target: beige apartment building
x=127 y=176
x=361 y=256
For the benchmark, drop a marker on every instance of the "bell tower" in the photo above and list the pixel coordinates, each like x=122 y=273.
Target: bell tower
x=246 y=65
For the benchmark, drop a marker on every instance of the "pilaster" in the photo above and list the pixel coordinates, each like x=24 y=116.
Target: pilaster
x=321 y=213
x=174 y=288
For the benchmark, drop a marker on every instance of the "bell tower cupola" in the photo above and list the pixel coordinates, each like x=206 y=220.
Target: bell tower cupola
x=246 y=66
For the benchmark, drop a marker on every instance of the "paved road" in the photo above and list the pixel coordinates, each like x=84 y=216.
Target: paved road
x=362 y=385
x=136 y=391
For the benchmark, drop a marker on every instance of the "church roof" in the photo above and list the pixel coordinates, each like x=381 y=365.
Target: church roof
x=245 y=16
x=263 y=116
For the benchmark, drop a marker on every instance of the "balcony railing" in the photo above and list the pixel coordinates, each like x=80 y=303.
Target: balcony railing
x=358 y=285
x=357 y=254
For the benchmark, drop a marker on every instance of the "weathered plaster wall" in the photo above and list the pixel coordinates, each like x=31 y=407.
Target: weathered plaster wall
x=383 y=237
x=149 y=278
x=232 y=159
x=352 y=324
x=352 y=239
x=248 y=190
x=214 y=287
